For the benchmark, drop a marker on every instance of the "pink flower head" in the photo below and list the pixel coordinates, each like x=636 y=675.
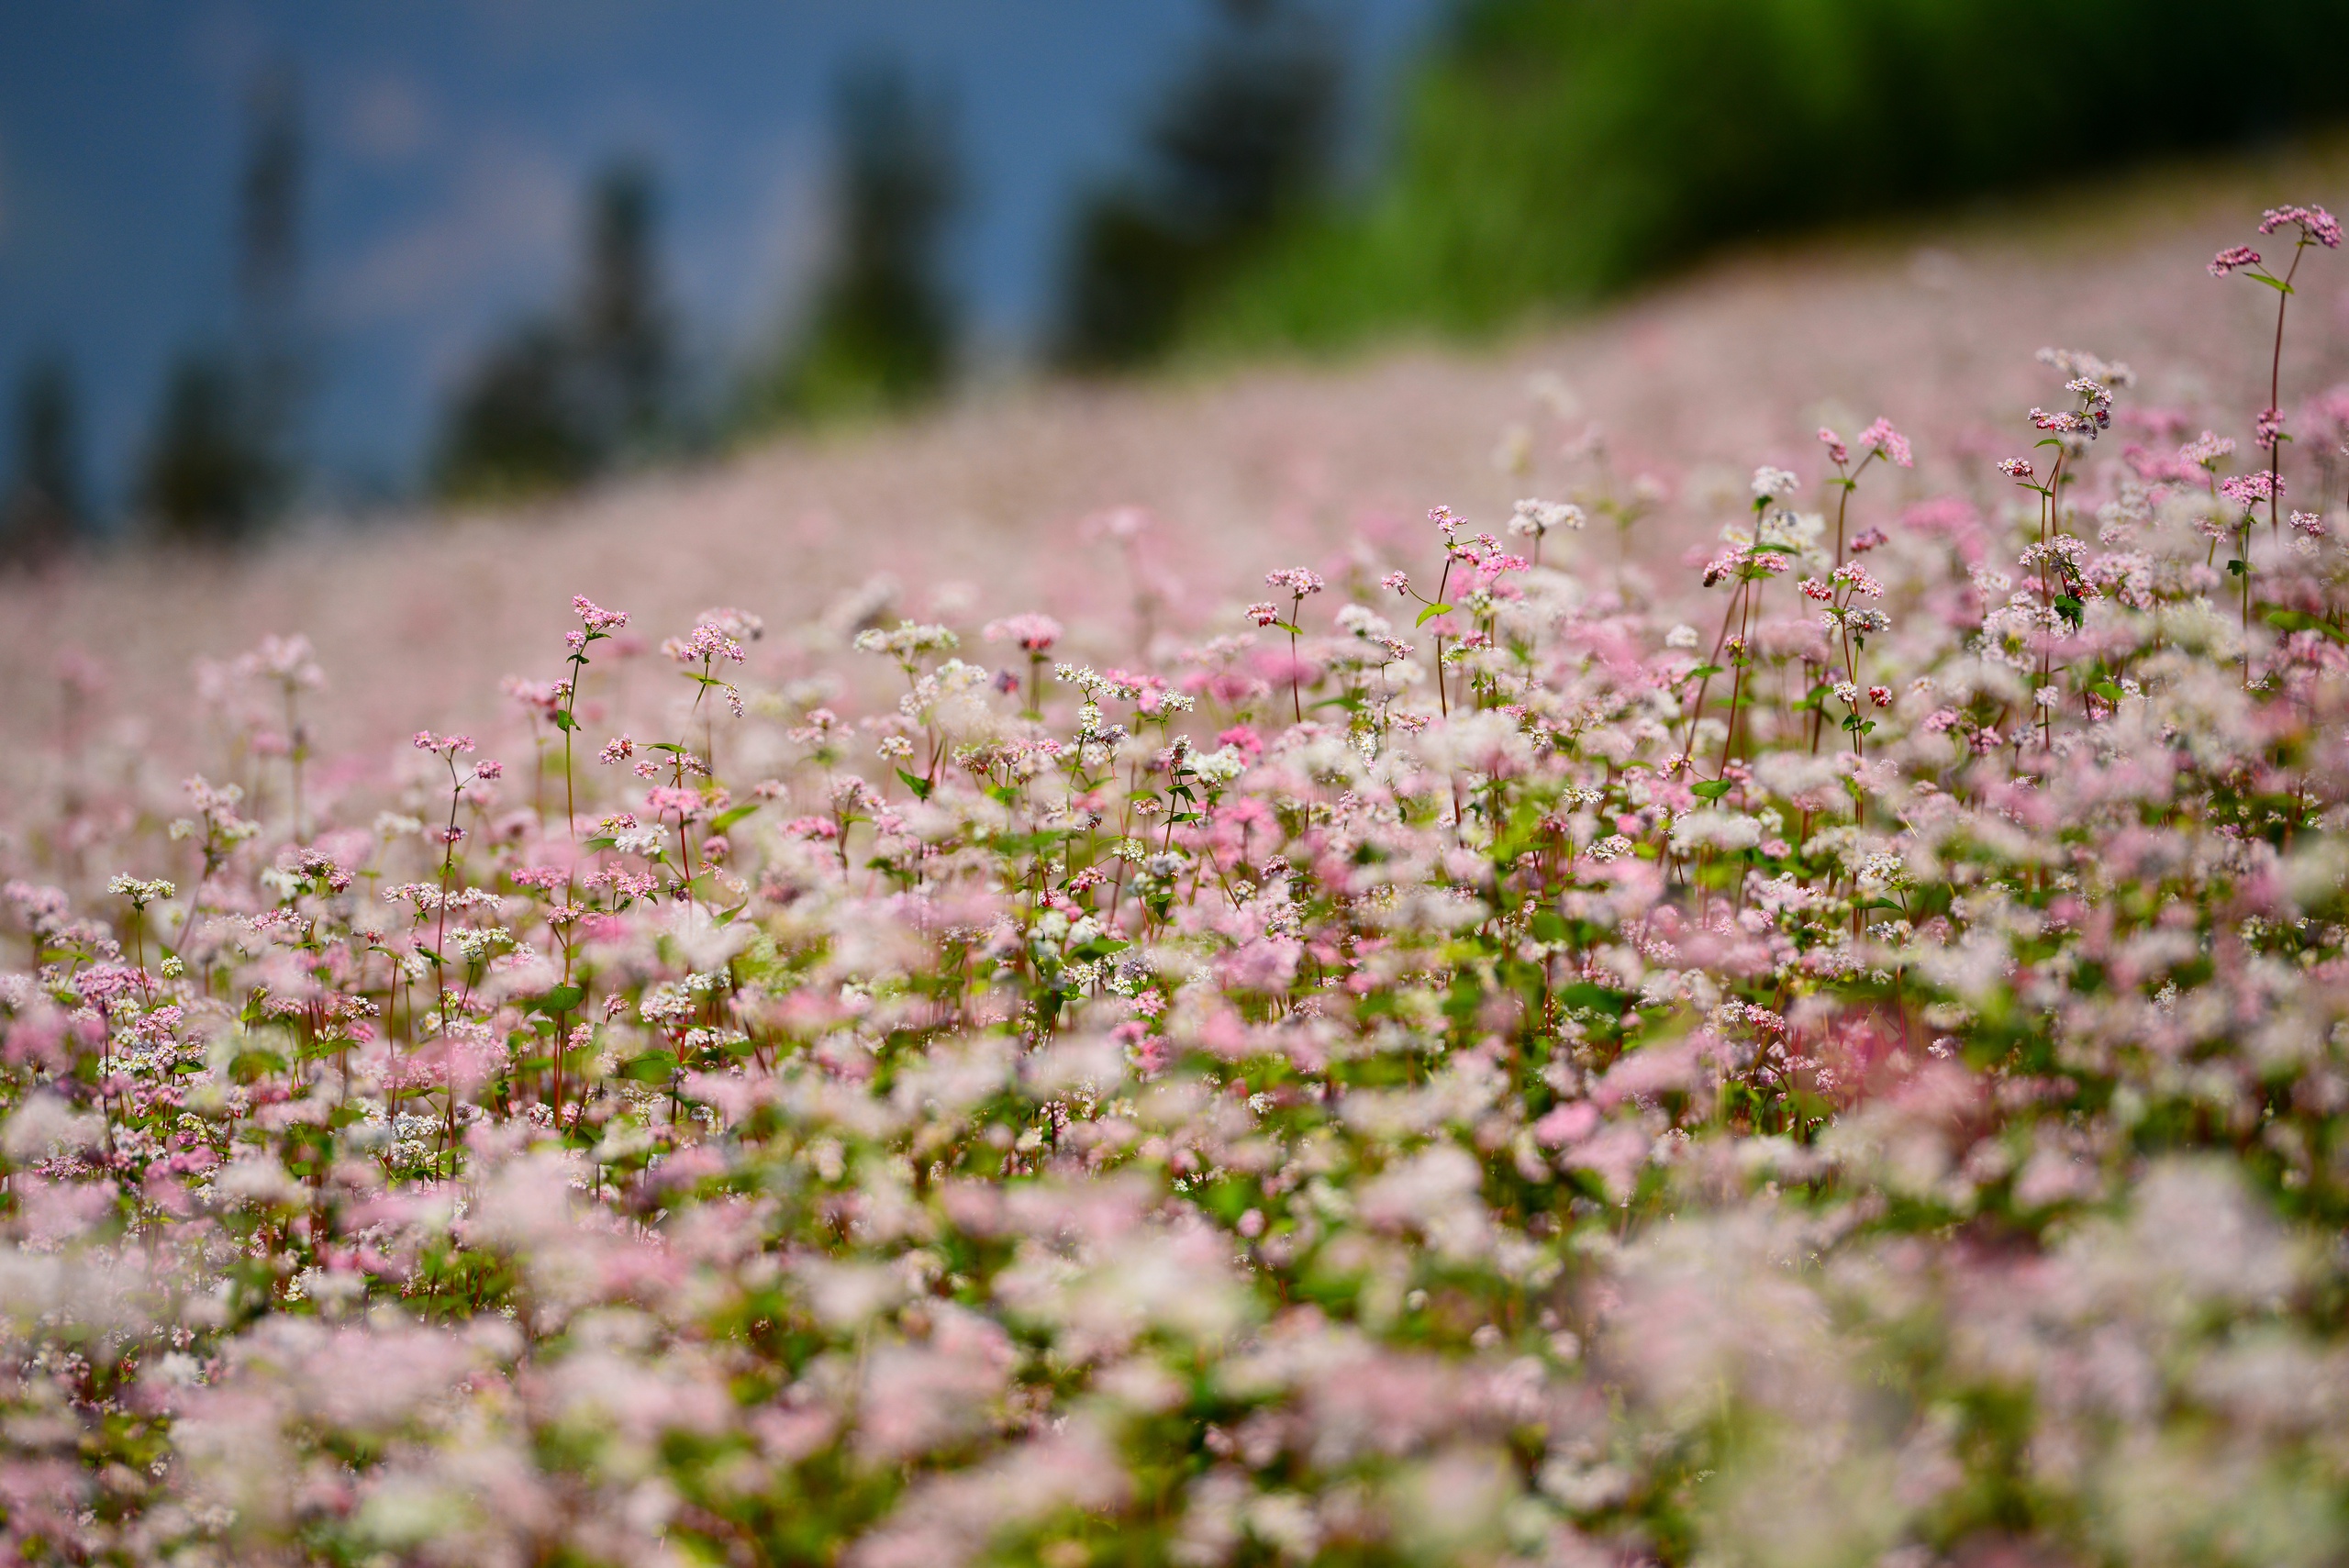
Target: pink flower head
x=1396 y=582
x=2018 y=468
x=445 y=745
x=1869 y=538
x=2233 y=257
x=1880 y=696
x=2206 y=450
x=1262 y=614
x=2249 y=489
x=2316 y=223
x=1295 y=579
x=1837 y=453
x=1882 y=438
x=708 y=642
x=2267 y=427
x=2309 y=523
x=1813 y=588
x=1034 y=633
x=1447 y=522
x=597 y=618
x=492 y=769
x=617 y=750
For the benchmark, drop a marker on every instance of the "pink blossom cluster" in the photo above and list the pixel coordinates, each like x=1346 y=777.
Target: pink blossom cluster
x=1653 y=1072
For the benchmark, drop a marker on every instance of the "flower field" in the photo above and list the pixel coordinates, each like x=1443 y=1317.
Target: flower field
x=1795 y=1014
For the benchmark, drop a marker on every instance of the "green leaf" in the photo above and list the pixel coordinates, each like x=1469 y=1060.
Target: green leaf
x=652 y=1067
x=1702 y=673
x=2300 y=620
x=1431 y=613
x=563 y=719
x=561 y=1000
x=1710 y=789
x=726 y=818
x=602 y=842
x=916 y=783
x=2109 y=690
x=1549 y=926
x=2278 y=285
x=2237 y=567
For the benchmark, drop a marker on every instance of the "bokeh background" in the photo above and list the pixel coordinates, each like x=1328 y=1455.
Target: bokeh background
x=273 y=267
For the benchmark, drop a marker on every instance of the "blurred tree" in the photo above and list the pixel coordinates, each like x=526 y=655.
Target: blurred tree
x=1241 y=141
x=881 y=334
x=205 y=480
x=556 y=402
x=45 y=513
x=224 y=456
x=269 y=275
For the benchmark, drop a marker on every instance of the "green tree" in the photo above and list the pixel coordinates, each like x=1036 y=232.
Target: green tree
x=882 y=331
x=46 y=512
x=558 y=400
x=1241 y=141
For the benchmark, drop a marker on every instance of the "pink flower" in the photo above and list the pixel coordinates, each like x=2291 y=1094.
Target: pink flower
x=2267 y=427
x=2018 y=468
x=1034 y=633
x=1837 y=453
x=597 y=618
x=1813 y=588
x=1882 y=438
x=1880 y=696
x=2247 y=489
x=2316 y=223
x=1869 y=538
x=1396 y=582
x=2309 y=523
x=1263 y=614
x=2233 y=257
x=1295 y=579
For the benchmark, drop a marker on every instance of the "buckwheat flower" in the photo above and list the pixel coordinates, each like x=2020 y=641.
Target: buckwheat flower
x=1847 y=693
x=734 y=623
x=1869 y=538
x=893 y=747
x=1881 y=438
x=1682 y=635
x=1295 y=579
x=2048 y=696
x=2315 y=223
x=707 y=643
x=1396 y=582
x=1880 y=696
x=2206 y=450
x=1033 y=633
x=2309 y=523
x=597 y=618
x=1538 y=518
x=1837 y=453
x=1813 y=588
x=1769 y=482
x=2269 y=428
x=1854 y=576
x=2249 y=489
x=617 y=750
x=2233 y=257
x=1262 y=614
x=1941 y=721
x=2018 y=469
x=489 y=770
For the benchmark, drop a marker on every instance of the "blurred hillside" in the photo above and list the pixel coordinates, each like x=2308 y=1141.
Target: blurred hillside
x=1001 y=502
x=1553 y=151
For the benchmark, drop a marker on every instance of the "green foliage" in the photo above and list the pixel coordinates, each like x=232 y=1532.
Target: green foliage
x=1238 y=146
x=881 y=333
x=1557 y=150
x=560 y=399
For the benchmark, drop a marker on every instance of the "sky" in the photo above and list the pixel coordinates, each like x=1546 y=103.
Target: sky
x=448 y=143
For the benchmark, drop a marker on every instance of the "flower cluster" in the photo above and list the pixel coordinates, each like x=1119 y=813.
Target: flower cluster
x=1848 y=1070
